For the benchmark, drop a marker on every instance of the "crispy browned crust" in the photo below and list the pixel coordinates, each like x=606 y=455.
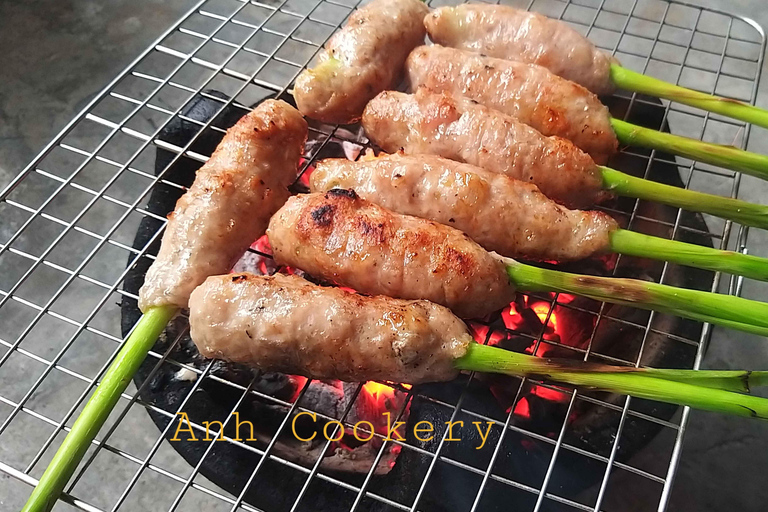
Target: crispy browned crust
x=342 y=238
x=508 y=216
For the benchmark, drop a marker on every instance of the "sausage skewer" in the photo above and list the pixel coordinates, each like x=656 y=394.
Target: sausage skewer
x=456 y=128
x=361 y=60
x=356 y=243
x=283 y=323
x=555 y=106
x=509 y=216
x=342 y=238
x=228 y=205
x=507 y=33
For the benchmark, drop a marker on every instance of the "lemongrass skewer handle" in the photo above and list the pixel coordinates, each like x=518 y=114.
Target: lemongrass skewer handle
x=726 y=310
x=728 y=157
x=637 y=244
x=640 y=383
x=741 y=381
x=748 y=214
x=633 y=81
x=98 y=409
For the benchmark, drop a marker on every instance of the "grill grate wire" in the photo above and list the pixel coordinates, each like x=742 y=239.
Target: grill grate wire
x=102 y=162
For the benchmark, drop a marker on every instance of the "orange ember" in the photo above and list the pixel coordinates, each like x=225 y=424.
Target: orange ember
x=299 y=381
x=514 y=320
x=378 y=392
x=549 y=394
x=480 y=333
x=541 y=351
x=262 y=245
x=522 y=408
x=304 y=178
x=512 y=317
x=542 y=309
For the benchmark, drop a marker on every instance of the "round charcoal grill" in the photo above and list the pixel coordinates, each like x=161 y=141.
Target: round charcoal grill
x=535 y=408
x=548 y=448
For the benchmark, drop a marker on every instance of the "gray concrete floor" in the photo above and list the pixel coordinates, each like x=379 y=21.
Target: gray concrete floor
x=55 y=55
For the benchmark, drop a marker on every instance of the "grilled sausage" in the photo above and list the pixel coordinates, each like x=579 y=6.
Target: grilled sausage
x=459 y=129
x=504 y=215
x=530 y=93
x=361 y=60
x=286 y=324
x=504 y=32
x=341 y=238
x=229 y=205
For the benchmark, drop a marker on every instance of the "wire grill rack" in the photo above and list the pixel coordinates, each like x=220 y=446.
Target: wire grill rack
x=61 y=258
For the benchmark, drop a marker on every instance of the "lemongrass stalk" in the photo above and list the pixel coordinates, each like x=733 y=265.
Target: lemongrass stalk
x=633 y=81
x=740 y=381
x=726 y=310
x=639 y=383
x=98 y=408
x=728 y=157
x=748 y=214
x=637 y=244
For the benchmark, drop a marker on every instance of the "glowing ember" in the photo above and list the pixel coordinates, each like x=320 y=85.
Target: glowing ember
x=565 y=298
x=549 y=394
x=304 y=178
x=379 y=403
x=609 y=260
x=522 y=408
x=542 y=309
x=480 y=333
x=541 y=351
x=299 y=381
x=395 y=450
x=379 y=392
x=512 y=318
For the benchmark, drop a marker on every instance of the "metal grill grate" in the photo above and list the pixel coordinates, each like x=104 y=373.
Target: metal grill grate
x=61 y=259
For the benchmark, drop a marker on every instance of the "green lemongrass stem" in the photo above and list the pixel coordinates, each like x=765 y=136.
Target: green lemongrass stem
x=98 y=409
x=728 y=157
x=639 y=383
x=745 y=213
x=726 y=310
x=633 y=81
x=739 y=381
x=637 y=244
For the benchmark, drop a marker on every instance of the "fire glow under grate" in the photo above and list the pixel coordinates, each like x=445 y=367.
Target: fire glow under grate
x=62 y=276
